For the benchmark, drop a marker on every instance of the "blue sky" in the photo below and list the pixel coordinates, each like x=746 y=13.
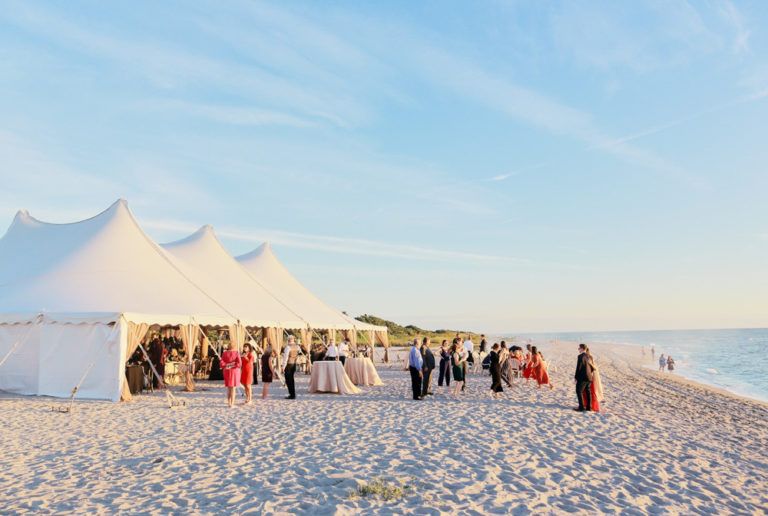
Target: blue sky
x=497 y=166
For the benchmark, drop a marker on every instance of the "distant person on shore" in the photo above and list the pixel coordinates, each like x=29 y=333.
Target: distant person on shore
x=670 y=364
x=292 y=351
x=445 y=365
x=653 y=352
x=267 y=371
x=583 y=377
x=246 y=371
x=495 y=371
x=415 y=364
x=230 y=365
x=428 y=361
x=662 y=363
x=343 y=351
x=458 y=359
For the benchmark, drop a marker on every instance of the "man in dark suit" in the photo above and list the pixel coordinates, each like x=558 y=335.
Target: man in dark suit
x=583 y=377
x=429 y=365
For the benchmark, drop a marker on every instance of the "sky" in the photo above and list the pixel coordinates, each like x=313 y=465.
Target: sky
x=501 y=166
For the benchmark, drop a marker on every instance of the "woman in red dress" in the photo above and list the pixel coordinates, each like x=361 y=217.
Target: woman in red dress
x=230 y=365
x=528 y=371
x=595 y=387
x=246 y=374
x=538 y=369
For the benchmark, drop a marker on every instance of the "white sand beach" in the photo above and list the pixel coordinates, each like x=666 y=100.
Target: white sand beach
x=661 y=445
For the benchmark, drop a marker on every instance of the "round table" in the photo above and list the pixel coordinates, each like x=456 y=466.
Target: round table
x=362 y=371
x=329 y=376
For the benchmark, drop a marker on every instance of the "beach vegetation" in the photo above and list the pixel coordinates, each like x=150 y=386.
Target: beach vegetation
x=384 y=489
x=400 y=335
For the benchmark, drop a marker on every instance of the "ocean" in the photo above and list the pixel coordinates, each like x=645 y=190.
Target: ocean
x=735 y=359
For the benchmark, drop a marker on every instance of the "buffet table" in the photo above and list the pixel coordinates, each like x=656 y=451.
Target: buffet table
x=362 y=371
x=329 y=376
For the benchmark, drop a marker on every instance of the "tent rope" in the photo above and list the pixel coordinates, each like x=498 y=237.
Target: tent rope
x=38 y=318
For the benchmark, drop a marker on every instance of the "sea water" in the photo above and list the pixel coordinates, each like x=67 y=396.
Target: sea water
x=734 y=359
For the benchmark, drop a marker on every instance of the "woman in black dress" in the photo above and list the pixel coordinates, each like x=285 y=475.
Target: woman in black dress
x=445 y=365
x=267 y=371
x=495 y=371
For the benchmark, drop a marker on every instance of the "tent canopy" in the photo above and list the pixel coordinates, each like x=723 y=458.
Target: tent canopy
x=211 y=266
x=102 y=265
x=266 y=269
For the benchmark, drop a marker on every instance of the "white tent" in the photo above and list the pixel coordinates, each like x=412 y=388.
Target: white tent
x=265 y=268
x=76 y=295
x=212 y=267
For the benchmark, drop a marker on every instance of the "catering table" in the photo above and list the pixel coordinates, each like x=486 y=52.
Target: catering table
x=329 y=376
x=135 y=377
x=362 y=371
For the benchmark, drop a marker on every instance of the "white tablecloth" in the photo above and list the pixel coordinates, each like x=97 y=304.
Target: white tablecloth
x=329 y=376
x=174 y=372
x=362 y=371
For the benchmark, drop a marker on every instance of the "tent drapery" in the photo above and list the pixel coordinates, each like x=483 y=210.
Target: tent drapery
x=136 y=333
x=306 y=340
x=189 y=336
x=351 y=336
x=383 y=339
x=237 y=335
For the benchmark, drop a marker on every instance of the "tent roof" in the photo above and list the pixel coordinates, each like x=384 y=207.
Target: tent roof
x=104 y=264
x=212 y=267
x=267 y=270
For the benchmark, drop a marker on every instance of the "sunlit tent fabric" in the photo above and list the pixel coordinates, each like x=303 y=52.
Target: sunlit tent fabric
x=212 y=267
x=71 y=294
x=265 y=268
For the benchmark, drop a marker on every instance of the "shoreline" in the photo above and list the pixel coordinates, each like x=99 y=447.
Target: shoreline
x=659 y=445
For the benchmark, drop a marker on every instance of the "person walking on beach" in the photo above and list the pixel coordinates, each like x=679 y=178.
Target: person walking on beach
x=445 y=365
x=662 y=363
x=230 y=365
x=583 y=377
x=267 y=371
x=467 y=359
x=595 y=386
x=415 y=364
x=495 y=371
x=246 y=371
x=428 y=361
x=539 y=368
x=292 y=351
x=457 y=357
x=670 y=364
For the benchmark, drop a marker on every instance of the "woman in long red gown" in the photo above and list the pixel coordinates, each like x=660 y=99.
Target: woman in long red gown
x=595 y=387
x=538 y=370
x=528 y=371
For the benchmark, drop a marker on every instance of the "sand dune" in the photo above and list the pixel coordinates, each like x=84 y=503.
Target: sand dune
x=661 y=446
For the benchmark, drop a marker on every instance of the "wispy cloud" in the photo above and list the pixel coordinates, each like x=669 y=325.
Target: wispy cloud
x=731 y=15
x=335 y=244
x=234 y=115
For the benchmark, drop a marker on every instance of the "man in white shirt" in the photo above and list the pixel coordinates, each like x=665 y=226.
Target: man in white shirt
x=343 y=351
x=415 y=364
x=332 y=352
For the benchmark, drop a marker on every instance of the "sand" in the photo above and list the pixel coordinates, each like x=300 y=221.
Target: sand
x=660 y=446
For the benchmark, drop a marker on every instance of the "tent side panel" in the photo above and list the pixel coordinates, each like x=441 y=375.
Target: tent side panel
x=66 y=352
x=19 y=373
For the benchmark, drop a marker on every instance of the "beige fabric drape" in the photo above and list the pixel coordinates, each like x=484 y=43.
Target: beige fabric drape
x=136 y=332
x=331 y=337
x=205 y=344
x=383 y=339
x=237 y=335
x=189 y=334
x=306 y=340
x=351 y=336
x=269 y=338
